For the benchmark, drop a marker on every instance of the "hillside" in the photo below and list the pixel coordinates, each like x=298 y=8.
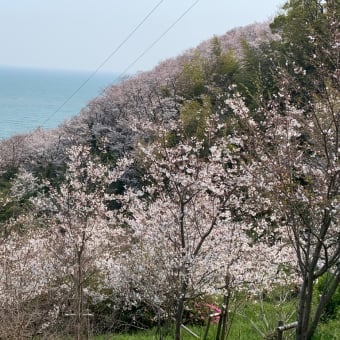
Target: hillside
x=208 y=184
x=155 y=93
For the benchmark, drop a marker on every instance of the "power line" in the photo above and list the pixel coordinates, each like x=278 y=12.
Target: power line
x=104 y=62
x=136 y=60
x=159 y=38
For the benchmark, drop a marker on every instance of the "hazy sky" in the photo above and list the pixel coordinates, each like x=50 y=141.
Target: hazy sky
x=81 y=34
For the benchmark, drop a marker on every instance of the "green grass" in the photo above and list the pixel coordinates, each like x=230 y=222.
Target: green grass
x=328 y=331
x=250 y=321
x=241 y=330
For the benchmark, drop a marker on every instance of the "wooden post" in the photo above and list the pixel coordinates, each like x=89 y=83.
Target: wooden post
x=280 y=330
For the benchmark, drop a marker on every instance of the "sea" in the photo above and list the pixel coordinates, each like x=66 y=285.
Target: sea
x=32 y=98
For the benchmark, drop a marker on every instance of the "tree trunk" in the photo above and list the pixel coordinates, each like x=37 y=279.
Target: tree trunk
x=183 y=276
x=79 y=297
x=225 y=316
x=180 y=309
x=305 y=306
x=80 y=312
x=223 y=322
x=325 y=298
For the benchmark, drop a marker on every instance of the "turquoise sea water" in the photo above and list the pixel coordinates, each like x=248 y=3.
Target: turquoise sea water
x=29 y=97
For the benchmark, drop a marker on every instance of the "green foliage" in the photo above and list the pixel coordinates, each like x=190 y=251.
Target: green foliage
x=8 y=207
x=51 y=171
x=192 y=78
x=108 y=157
x=9 y=210
x=172 y=138
x=165 y=91
x=254 y=78
x=193 y=116
x=222 y=66
x=227 y=64
x=264 y=313
x=300 y=20
x=5 y=210
x=328 y=330
x=309 y=39
x=332 y=309
x=208 y=75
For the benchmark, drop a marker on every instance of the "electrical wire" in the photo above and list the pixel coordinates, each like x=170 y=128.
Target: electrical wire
x=135 y=61
x=103 y=62
x=159 y=38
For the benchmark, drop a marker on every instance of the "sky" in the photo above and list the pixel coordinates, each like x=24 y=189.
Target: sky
x=82 y=34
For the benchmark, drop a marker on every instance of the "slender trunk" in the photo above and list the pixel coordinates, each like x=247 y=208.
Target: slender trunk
x=79 y=299
x=325 y=298
x=301 y=309
x=180 y=309
x=224 y=316
x=219 y=326
x=225 y=321
x=183 y=275
x=305 y=307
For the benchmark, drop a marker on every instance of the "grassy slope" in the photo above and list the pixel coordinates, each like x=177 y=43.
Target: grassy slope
x=252 y=321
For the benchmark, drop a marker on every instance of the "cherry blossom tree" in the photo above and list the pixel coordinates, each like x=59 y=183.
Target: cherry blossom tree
x=81 y=227
x=184 y=218
x=297 y=167
x=298 y=142
x=24 y=282
x=307 y=144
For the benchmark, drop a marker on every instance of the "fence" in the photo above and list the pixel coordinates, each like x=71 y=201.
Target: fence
x=282 y=327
